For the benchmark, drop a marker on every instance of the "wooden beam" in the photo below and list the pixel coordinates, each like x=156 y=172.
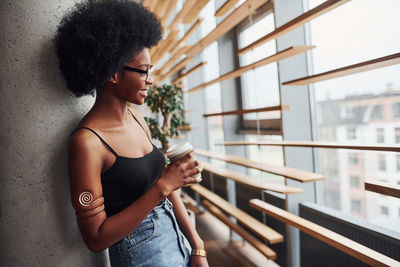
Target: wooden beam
x=383 y=188
x=228 y=5
x=294 y=23
x=187 y=35
x=325 y=235
x=295 y=174
x=161 y=8
x=257 y=244
x=172 y=60
x=257 y=227
x=289 y=52
x=348 y=70
x=250 y=181
x=168 y=12
x=237 y=16
x=194 y=11
x=245 y=111
x=195 y=68
x=164 y=47
x=317 y=144
x=180 y=65
x=185 y=9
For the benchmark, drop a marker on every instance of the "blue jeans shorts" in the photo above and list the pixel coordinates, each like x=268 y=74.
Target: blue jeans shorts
x=157 y=241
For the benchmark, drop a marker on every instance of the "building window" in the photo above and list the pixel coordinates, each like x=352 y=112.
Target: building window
x=398 y=163
x=354 y=182
x=396 y=109
x=353 y=159
x=382 y=162
x=397 y=135
x=351 y=133
x=355 y=205
x=384 y=210
x=348 y=112
x=380 y=135
x=377 y=112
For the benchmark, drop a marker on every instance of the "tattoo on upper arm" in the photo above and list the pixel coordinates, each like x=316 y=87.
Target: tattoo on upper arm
x=89 y=208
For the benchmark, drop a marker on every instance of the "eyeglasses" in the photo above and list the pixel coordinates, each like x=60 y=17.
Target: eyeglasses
x=147 y=72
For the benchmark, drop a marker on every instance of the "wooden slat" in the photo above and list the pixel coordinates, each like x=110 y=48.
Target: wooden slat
x=250 y=181
x=289 y=52
x=190 y=203
x=294 y=23
x=195 y=68
x=168 y=12
x=180 y=65
x=257 y=244
x=383 y=188
x=164 y=46
x=352 y=69
x=161 y=8
x=194 y=11
x=245 y=111
x=187 y=35
x=185 y=9
x=237 y=16
x=316 y=144
x=260 y=229
x=340 y=242
x=172 y=60
x=228 y=5
x=185 y=128
x=295 y=174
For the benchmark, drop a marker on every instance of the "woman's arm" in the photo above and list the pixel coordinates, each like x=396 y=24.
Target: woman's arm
x=188 y=228
x=85 y=164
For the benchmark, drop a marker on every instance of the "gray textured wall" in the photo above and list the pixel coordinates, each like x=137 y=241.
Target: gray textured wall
x=37 y=222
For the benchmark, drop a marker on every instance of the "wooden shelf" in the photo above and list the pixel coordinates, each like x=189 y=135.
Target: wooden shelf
x=257 y=244
x=194 y=11
x=327 y=236
x=352 y=69
x=383 y=188
x=228 y=5
x=195 y=68
x=289 y=52
x=316 y=144
x=187 y=35
x=295 y=174
x=257 y=227
x=250 y=181
x=237 y=16
x=245 y=111
x=294 y=23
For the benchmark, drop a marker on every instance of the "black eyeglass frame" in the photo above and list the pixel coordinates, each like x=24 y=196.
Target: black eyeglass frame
x=148 y=72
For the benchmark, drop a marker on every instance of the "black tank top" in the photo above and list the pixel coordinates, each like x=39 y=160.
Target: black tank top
x=128 y=178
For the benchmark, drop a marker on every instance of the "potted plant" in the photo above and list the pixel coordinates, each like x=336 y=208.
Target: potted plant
x=167 y=100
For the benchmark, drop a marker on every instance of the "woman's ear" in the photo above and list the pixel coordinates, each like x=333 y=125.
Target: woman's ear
x=113 y=79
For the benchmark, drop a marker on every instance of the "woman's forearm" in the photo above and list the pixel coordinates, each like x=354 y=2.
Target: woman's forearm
x=184 y=222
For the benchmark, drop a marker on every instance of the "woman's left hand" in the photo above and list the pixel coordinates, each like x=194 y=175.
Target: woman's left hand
x=198 y=261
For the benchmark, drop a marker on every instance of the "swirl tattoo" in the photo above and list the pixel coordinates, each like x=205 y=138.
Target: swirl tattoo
x=85 y=198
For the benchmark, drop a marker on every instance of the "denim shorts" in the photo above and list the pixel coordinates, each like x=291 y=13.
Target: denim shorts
x=157 y=241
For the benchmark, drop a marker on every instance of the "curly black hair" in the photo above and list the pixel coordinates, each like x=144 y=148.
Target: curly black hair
x=95 y=39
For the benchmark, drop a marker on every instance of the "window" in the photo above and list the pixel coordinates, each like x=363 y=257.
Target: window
x=380 y=135
x=382 y=162
x=398 y=163
x=377 y=112
x=260 y=86
x=384 y=210
x=354 y=182
x=396 y=110
x=353 y=159
x=355 y=205
x=351 y=133
x=397 y=135
x=348 y=112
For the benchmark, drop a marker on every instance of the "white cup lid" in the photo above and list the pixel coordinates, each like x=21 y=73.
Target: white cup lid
x=178 y=149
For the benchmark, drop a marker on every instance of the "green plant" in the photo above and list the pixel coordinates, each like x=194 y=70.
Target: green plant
x=167 y=100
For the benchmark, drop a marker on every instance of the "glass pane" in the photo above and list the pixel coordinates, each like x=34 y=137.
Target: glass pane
x=362 y=108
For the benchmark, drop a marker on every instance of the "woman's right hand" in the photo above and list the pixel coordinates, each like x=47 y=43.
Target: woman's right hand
x=179 y=174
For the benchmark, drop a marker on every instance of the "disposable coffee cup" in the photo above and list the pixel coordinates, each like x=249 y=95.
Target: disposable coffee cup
x=178 y=152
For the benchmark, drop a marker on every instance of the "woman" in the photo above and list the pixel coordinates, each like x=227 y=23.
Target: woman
x=124 y=196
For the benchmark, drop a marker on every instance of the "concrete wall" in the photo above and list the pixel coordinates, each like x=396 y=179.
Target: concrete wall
x=37 y=222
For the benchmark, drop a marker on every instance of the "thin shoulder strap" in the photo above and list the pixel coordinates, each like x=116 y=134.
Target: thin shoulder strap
x=101 y=139
x=140 y=125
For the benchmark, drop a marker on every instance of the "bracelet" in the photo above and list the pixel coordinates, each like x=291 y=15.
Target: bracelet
x=198 y=252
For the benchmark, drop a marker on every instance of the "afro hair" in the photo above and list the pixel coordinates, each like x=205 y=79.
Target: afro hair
x=95 y=39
